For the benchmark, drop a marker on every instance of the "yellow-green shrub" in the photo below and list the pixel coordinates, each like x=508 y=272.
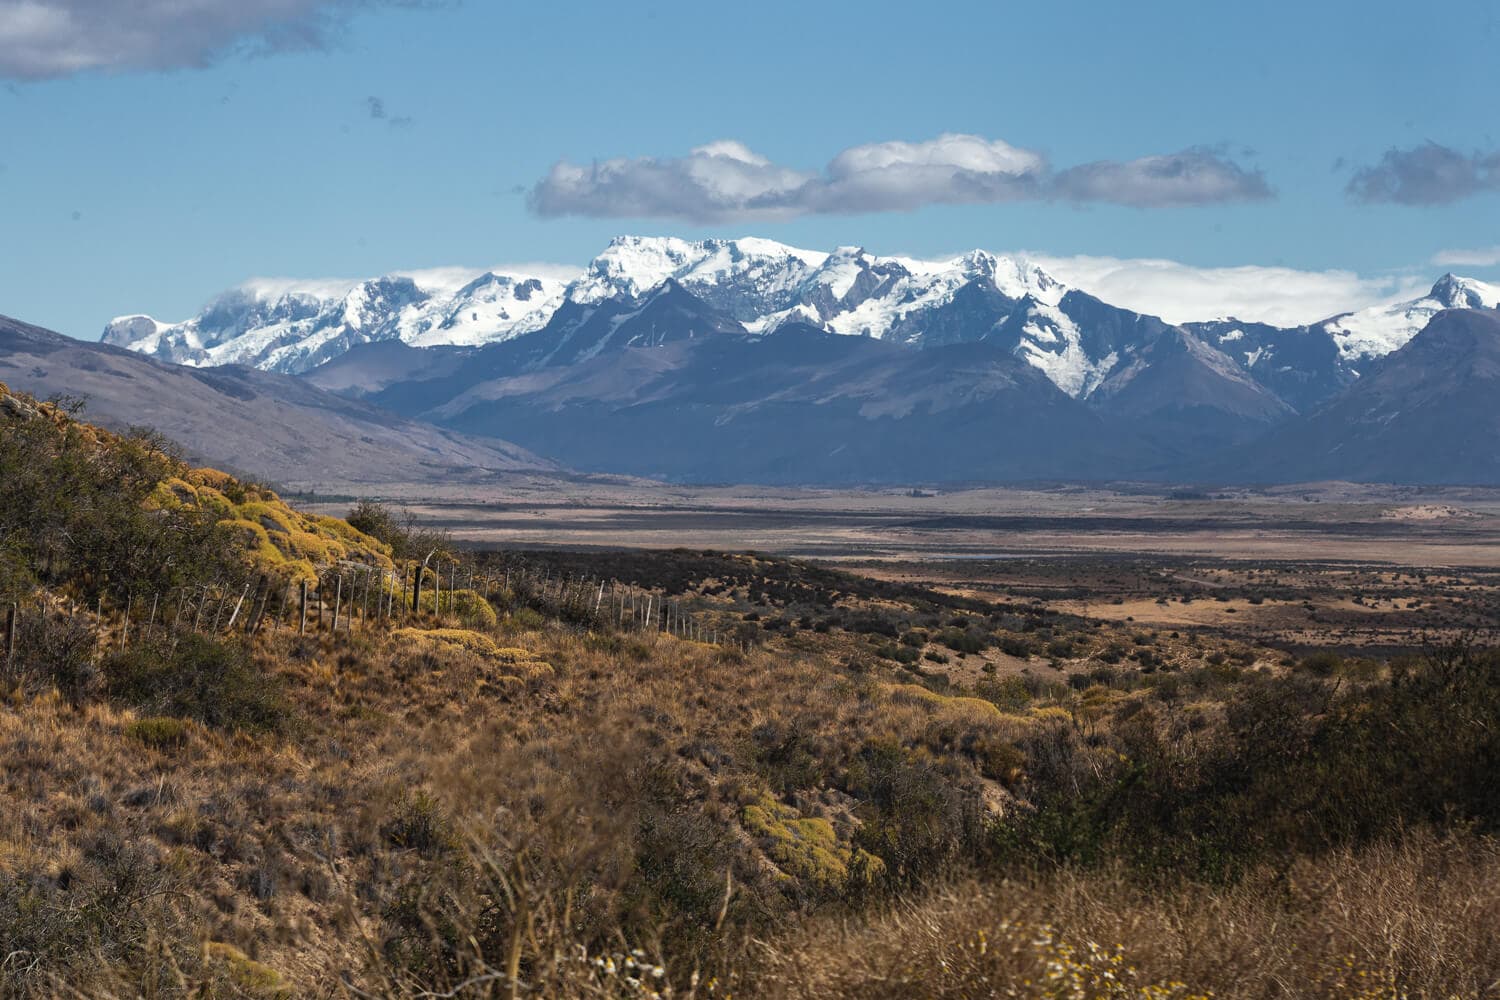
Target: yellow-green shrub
x=469 y=606
x=808 y=849
x=251 y=978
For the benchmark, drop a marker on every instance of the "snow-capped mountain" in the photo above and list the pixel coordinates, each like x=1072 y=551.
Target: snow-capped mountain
x=745 y=278
x=756 y=286
x=748 y=360
x=1379 y=330
x=758 y=283
x=293 y=327
x=762 y=284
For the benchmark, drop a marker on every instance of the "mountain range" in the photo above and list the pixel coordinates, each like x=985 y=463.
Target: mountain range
x=750 y=360
x=760 y=284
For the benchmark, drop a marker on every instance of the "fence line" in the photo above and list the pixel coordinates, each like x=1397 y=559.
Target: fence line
x=398 y=595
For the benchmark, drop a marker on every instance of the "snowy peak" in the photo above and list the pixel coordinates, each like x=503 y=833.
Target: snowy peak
x=1012 y=277
x=291 y=327
x=1465 y=293
x=125 y=331
x=764 y=284
x=491 y=307
x=669 y=313
x=632 y=265
x=577 y=332
x=1379 y=330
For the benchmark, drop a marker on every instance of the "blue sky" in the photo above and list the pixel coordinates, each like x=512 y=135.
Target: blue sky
x=144 y=170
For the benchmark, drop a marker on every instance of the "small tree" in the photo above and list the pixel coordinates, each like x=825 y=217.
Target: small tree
x=398 y=528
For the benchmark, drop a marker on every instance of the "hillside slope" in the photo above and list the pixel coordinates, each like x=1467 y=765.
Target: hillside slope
x=258 y=423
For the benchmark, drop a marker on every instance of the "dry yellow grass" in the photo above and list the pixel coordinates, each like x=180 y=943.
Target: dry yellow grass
x=429 y=777
x=1410 y=919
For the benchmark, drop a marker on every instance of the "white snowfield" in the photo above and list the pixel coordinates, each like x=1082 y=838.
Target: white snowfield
x=1379 y=330
x=294 y=326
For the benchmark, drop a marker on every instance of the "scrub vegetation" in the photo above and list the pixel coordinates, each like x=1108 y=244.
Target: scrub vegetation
x=836 y=799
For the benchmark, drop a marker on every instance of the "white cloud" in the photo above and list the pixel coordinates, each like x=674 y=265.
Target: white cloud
x=436 y=279
x=1191 y=177
x=1429 y=174
x=1478 y=257
x=718 y=181
x=1180 y=293
x=51 y=38
x=726 y=180
x=951 y=169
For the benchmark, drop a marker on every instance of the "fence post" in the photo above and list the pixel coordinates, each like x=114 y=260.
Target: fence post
x=258 y=605
x=198 y=612
x=219 y=612
x=338 y=600
x=237 y=605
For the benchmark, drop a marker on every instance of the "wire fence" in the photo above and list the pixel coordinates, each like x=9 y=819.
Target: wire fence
x=351 y=596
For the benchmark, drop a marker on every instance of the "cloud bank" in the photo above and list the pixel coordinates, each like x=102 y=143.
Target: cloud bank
x=40 y=39
x=1429 y=174
x=725 y=181
x=1476 y=257
x=1181 y=293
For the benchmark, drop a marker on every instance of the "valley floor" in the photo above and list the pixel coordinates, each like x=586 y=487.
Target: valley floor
x=1336 y=522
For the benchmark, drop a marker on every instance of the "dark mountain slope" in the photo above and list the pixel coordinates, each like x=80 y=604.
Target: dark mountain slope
x=259 y=423
x=801 y=406
x=1299 y=364
x=1429 y=413
x=366 y=369
x=1187 y=396
x=577 y=332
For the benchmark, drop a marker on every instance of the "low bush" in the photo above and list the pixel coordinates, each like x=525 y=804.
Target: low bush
x=418 y=823
x=211 y=681
x=1012 y=645
x=962 y=641
x=56 y=650
x=1299 y=764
